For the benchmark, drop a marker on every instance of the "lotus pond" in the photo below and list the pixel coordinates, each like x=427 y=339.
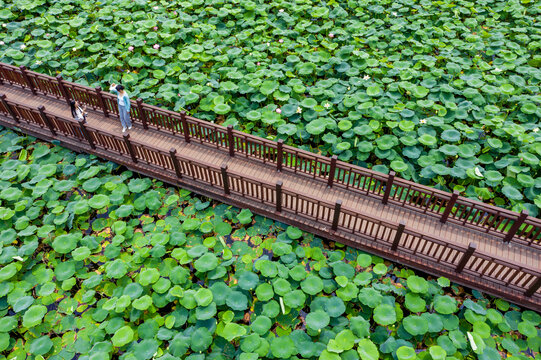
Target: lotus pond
x=442 y=92
x=99 y=263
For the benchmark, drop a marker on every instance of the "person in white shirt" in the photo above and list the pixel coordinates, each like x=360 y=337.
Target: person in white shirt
x=77 y=111
x=123 y=105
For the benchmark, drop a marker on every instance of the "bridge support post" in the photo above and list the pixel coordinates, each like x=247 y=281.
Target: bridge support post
x=518 y=222
x=86 y=134
x=398 y=235
x=27 y=79
x=449 y=207
x=185 y=129
x=332 y=170
x=225 y=179
x=46 y=119
x=9 y=108
x=176 y=165
x=388 y=186
x=230 y=140
x=279 y=184
x=336 y=215
x=62 y=88
x=533 y=288
x=101 y=100
x=141 y=113
x=129 y=145
x=279 y=154
x=467 y=255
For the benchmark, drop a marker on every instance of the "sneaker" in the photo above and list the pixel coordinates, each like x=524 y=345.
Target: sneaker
x=123 y=129
x=129 y=127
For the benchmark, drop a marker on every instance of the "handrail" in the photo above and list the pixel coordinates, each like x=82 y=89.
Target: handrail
x=393 y=237
x=473 y=214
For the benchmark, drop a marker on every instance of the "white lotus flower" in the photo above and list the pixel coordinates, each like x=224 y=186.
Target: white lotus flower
x=349 y=88
x=4 y=25
x=299 y=110
x=2 y=43
x=535 y=130
x=478 y=172
x=39 y=62
x=327 y=105
x=209 y=84
x=23 y=46
x=366 y=77
x=74 y=49
x=498 y=69
x=422 y=121
x=394 y=14
x=281 y=10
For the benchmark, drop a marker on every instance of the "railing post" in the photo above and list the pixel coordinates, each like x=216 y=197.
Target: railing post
x=449 y=207
x=230 y=140
x=27 y=79
x=46 y=119
x=101 y=100
x=398 y=235
x=185 y=126
x=336 y=215
x=130 y=147
x=8 y=107
x=279 y=184
x=533 y=288
x=62 y=88
x=176 y=165
x=332 y=170
x=142 y=114
x=518 y=222
x=225 y=179
x=279 y=154
x=388 y=186
x=86 y=134
x=467 y=255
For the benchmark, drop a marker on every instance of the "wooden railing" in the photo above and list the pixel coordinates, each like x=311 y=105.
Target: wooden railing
x=393 y=238
x=388 y=188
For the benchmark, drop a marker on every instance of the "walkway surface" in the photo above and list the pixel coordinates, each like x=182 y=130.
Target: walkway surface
x=315 y=188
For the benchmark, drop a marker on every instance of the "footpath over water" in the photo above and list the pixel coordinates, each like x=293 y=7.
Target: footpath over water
x=481 y=246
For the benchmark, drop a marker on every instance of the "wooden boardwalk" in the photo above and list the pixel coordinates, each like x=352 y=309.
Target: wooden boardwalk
x=480 y=246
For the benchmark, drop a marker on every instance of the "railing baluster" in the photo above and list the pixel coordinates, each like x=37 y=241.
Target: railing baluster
x=388 y=186
x=129 y=145
x=465 y=257
x=332 y=170
x=279 y=184
x=101 y=101
x=518 y=223
x=27 y=79
x=449 y=207
x=63 y=89
x=176 y=165
x=230 y=140
x=185 y=126
x=398 y=235
x=46 y=119
x=533 y=288
x=9 y=108
x=141 y=113
x=86 y=134
x=225 y=179
x=336 y=215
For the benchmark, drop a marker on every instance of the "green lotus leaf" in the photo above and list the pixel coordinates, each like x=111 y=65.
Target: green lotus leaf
x=415 y=325
x=142 y=303
x=248 y=280
x=41 y=345
x=312 y=285
x=34 y=315
x=427 y=140
x=374 y=90
x=122 y=336
x=419 y=91
x=99 y=201
x=64 y=244
x=232 y=331
x=261 y=325
x=445 y=304
x=385 y=314
x=367 y=350
x=222 y=109
x=293 y=232
x=206 y=263
x=317 y=320
x=405 y=353
x=237 y=301
x=7 y=272
x=245 y=216
x=511 y=192
x=283 y=347
x=295 y=299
